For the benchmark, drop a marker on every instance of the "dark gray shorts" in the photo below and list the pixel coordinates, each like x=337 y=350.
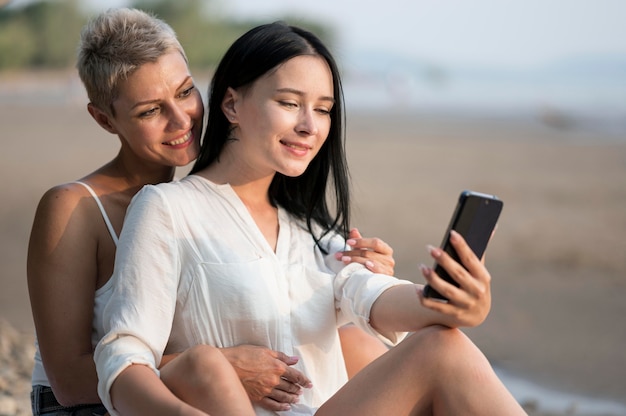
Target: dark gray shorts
x=45 y=404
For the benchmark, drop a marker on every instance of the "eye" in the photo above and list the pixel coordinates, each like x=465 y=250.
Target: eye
x=323 y=111
x=187 y=92
x=288 y=104
x=149 y=113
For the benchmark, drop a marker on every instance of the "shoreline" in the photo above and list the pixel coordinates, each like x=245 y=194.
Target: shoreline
x=538 y=398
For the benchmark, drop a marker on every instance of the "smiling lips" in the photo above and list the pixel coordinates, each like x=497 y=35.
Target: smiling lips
x=300 y=148
x=182 y=140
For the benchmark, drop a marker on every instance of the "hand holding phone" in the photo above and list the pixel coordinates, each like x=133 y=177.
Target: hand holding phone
x=475 y=217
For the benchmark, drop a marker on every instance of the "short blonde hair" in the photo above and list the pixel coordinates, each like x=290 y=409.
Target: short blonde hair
x=116 y=43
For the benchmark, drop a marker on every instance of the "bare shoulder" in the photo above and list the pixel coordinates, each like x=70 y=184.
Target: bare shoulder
x=61 y=198
x=63 y=208
x=66 y=193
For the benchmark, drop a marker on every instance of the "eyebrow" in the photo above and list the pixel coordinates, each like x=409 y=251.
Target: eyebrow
x=300 y=93
x=140 y=103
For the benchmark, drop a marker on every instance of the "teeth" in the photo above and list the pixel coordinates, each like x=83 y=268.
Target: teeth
x=293 y=146
x=181 y=140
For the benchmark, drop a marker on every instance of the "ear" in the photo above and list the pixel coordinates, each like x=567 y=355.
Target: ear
x=229 y=105
x=102 y=118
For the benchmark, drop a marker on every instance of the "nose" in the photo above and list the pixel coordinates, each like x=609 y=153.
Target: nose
x=180 y=118
x=307 y=124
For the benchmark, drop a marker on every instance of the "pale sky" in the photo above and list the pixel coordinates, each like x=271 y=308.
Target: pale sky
x=501 y=33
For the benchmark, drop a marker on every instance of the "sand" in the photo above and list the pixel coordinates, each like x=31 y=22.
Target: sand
x=558 y=259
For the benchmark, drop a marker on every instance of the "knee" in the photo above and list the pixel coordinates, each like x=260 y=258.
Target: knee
x=201 y=362
x=447 y=348
x=203 y=357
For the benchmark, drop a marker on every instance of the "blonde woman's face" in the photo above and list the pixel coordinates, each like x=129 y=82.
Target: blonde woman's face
x=159 y=113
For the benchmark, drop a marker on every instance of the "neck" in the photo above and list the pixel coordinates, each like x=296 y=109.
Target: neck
x=250 y=186
x=136 y=175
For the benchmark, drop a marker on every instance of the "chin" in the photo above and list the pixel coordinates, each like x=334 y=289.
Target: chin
x=294 y=171
x=293 y=174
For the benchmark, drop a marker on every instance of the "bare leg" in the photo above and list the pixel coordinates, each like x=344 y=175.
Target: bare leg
x=436 y=371
x=202 y=377
x=359 y=348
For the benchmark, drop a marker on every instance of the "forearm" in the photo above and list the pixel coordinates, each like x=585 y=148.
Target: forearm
x=399 y=309
x=75 y=382
x=138 y=390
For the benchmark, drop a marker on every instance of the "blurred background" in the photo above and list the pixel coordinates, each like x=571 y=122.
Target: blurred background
x=560 y=62
x=523 y=99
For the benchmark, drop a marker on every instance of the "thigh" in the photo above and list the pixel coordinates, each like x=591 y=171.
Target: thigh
x=395 y=383
x=359 y=348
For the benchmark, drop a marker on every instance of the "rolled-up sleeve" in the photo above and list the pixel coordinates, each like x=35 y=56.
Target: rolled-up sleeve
x=356 y=290
x=138 y=318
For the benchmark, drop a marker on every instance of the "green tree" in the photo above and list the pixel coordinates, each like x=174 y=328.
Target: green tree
x=56 y=26
x=40 y=34
x=206 y=37
x=45 y=34
x=17 y=45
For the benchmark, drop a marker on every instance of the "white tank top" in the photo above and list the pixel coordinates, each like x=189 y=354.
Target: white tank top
x=101 y=298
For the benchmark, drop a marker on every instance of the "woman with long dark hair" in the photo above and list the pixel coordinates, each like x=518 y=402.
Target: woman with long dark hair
x=239 y=252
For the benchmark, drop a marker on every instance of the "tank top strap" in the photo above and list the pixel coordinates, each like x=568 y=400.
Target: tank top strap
x=102 y=211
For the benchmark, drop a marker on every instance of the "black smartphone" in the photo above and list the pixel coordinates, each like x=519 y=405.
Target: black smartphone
x=475 y=217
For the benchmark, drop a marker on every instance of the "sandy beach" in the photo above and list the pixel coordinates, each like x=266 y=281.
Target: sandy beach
x=558 y=259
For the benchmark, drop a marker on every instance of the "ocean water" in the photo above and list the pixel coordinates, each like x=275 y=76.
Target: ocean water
x=593 y=103
x=551 y=400
x=590 y=104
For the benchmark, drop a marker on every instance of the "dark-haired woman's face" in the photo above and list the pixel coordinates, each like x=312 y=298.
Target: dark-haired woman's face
x=283 y=119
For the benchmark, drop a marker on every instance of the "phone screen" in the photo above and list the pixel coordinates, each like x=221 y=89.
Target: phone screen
x=475 y=218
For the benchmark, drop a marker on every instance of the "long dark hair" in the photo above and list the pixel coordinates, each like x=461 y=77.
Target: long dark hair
x=255 y=53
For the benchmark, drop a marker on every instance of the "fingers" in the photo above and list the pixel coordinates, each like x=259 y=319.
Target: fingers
x=285 y=358
x=290 y=374
x=296 y=377
x=282 y=396
x=355 y=233
x=289 y=388
x=267 y=375
x=468 y=304
x=443 y=287
x=271 y=404
x=476 y=271
x=356 y=241
x=373 y=253
x=470 y=273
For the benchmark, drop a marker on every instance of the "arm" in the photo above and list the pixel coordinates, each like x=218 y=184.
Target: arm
x=139 y=391
x=405 y=309
x=373 y=253
x=61 y=267
x=140 y=312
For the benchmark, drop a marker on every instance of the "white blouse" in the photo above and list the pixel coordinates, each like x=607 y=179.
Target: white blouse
x=192 y=267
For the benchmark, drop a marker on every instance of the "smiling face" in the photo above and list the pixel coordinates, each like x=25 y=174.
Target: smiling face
x=158 y=113
x=282 y=120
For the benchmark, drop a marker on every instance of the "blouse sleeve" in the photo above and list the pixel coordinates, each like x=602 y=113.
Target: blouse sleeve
x=356 y=289
x=137 y=319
